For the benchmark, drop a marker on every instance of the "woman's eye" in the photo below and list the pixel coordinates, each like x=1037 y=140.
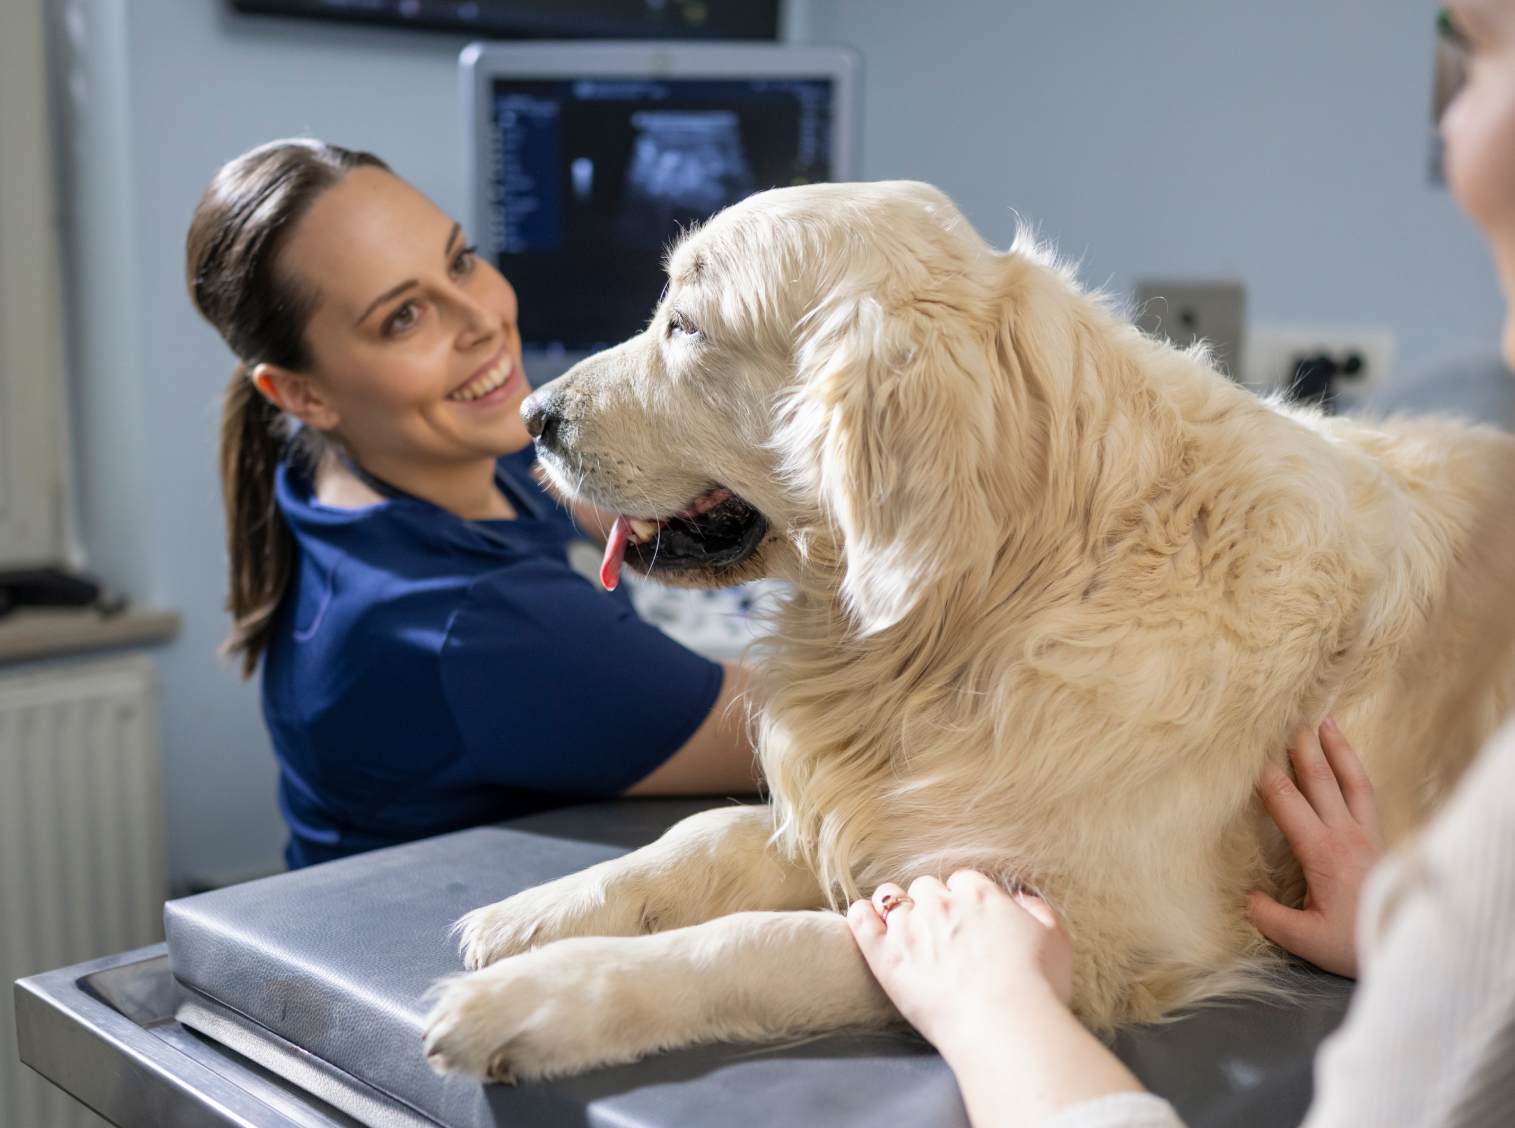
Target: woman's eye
x=402 y=318
x=465 y=260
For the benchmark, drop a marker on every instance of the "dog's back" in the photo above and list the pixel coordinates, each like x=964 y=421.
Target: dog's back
x=1061 y=591
x=1441 y=676
x=1196 y=572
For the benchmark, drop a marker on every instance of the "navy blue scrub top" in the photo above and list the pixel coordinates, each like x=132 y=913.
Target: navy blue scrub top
x=429 y=673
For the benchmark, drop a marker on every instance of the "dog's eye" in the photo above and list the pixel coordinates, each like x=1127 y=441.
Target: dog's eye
x=679 y=327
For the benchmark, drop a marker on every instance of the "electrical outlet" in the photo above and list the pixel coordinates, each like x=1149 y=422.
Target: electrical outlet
x=1187 y=311
x=1338 y=365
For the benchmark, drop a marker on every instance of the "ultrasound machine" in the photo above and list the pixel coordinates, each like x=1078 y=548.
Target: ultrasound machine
x=586 y=160
x=297 y=1001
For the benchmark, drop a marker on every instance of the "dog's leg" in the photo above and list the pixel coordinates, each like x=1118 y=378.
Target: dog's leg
x=593 y=1001
x=708 y=865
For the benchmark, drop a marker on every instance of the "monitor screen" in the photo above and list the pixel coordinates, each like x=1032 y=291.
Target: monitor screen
x=662 y=19
x=591 y=179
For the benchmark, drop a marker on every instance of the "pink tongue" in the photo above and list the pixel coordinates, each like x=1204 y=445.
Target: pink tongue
x=615 y=552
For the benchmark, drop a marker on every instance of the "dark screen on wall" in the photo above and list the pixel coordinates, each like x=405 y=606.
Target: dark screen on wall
x=607 y=19
x=592 y=180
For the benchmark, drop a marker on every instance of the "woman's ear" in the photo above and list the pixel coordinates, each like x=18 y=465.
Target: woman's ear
x=294 y=393
x=906 y=409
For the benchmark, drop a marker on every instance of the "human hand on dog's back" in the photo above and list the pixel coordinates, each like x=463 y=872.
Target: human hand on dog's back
x=1331 y=824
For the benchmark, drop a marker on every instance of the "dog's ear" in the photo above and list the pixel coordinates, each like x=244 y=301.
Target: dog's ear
x=899 y=410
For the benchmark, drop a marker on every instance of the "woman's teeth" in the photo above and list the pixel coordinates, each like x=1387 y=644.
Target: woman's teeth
x=485 y=383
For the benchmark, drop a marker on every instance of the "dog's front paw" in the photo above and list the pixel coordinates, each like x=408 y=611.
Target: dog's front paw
x=544 y=1014
x=581 y=904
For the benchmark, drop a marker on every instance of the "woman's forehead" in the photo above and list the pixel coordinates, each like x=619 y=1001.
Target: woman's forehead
x=368 y=233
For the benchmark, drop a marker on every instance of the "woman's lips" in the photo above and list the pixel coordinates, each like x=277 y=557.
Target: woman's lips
x=513 y=385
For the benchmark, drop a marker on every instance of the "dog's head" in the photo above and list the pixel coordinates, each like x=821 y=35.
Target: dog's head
x=824 y=379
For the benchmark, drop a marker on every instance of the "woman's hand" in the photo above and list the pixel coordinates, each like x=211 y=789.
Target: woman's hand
x=986 y=977
x=949 y=952
x=1332 y=827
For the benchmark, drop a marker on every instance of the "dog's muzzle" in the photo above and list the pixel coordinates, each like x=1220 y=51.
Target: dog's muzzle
x=539 y=411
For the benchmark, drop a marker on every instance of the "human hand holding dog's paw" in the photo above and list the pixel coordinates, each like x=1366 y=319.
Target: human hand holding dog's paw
x=948 y=950
x=1332 y=826
x=986 y=977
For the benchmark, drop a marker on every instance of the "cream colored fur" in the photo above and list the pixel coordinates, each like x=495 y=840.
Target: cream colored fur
x=1060 y=592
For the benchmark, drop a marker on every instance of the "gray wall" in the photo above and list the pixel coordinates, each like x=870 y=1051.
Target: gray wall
x=1283 y=143
x=156 y=94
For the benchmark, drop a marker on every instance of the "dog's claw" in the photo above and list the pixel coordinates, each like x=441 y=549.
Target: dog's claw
x=499 y=1068
x=527 y=1017
x=576 y=905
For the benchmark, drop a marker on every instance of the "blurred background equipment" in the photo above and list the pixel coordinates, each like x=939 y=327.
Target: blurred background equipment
x=1339 y=370
x=52 y=587
x=81 y=842
x=81 y=824
x=587 y=160
x=1187 y=311
x=566 y=19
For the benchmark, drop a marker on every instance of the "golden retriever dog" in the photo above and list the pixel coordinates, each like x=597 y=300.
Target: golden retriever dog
x=1060 y=591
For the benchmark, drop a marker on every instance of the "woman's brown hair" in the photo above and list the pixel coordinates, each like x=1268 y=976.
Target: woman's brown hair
x=231 y=260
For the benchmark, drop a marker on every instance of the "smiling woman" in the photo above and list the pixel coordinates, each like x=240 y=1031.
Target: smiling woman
x=430 y=659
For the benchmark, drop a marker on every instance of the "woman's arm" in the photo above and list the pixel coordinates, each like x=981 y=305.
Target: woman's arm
x=719 y=758
x=986 y=979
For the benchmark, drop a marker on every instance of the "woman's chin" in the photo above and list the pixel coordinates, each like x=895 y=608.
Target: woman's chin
x=509 y=435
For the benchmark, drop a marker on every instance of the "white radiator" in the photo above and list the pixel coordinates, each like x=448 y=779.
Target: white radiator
x=81 y=842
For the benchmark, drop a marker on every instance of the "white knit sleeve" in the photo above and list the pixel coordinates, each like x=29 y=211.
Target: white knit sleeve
x=1430 y=1036
x=1118 y=1110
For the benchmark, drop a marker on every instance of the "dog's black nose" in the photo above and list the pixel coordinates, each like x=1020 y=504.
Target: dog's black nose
x=541 y=418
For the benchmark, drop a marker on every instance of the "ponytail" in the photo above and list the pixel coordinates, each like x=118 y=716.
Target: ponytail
x=260 y=549
x=231 y=261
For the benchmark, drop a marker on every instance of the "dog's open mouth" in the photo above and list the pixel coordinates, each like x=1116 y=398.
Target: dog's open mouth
x=715 y=530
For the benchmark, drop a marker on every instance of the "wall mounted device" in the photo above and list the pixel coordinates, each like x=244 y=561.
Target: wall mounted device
x=1335 y=368
x=1186 y=311
x=556 y=19
x=585 y=160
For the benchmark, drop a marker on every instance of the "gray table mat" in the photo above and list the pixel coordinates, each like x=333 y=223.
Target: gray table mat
x=335 y=962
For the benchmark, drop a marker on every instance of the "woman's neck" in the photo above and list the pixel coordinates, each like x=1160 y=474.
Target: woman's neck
x=466 y=489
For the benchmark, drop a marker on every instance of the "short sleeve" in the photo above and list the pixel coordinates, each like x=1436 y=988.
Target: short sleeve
x=557 y=687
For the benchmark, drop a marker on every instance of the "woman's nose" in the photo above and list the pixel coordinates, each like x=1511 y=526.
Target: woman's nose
x=479 y=322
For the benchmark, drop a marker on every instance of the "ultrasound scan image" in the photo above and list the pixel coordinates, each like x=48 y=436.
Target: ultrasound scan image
x=684 y=166
x=592 y=180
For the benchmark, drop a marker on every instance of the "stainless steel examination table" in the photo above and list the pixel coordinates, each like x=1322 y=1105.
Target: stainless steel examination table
x=297 y=1002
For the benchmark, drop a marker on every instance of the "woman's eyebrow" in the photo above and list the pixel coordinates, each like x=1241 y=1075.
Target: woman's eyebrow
x=384 y=297
x=395 y=292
